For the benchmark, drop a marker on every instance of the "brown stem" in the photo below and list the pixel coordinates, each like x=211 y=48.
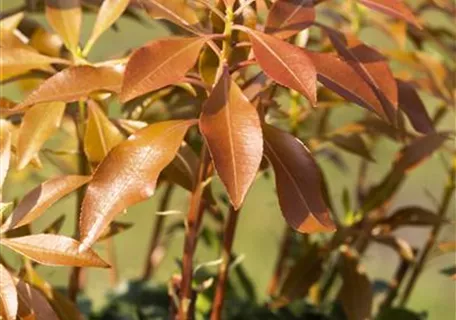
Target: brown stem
x=446 y=199
x=287 y=239
x=194 y=217
x=156 y=234
x=112 y=260
x=228 y=237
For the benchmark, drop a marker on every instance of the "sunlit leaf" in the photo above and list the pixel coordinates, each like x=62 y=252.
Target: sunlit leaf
x=8 y=295
x=285 y=63
x=159 y=64
x=5 y=152
x=298 y=182
x=176 y=11
x=356 y=293
x=128 y=175
x=232 y=130
x=38 y=124
x=46 y=42
x=54 y=250
x=75 y=83
x=101 y=135
x=32 y=302
x=11 y=22
x=65 y=17
x=393 y=8
x=288 y=17
x=37 y=201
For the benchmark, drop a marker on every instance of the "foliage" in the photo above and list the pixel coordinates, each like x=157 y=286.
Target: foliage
x=260 y=81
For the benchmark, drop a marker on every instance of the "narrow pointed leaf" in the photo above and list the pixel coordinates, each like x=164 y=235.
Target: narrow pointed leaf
x=37 y=201
x=54 y=250
x=101 y=134
x=128 y=175
x=65 y=18
x=288 y=17
x=5 y=152
x=285 y=63
x=298 y=182
x=393 y=8
x=38 y=124
x=352 y=143
x=176 y=11
x=159 y=64
x=411 y=216
x=34 y=303
x=232 y=130
x=12 y=22
x=8 y=295
x=410 y=102
x=109 y=12
x=75 y=83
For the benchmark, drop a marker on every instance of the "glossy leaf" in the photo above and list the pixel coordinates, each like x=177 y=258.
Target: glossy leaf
x=285 y=63
x=54 y=250
x=34 y=303
x=37 y=201
x=410 y=102
x=393 y=8
x=18 y=61
x=75 y=83
x=5 y=152
x=159 y=64
x=65 y=17
x=356 y=293
x=288 y=17
x=8 y=295
x=38 y=124
x=101 y=135
x=298 y=182
x=176 y=11
x=232 y=130
x=109 y=12
x=128 y=175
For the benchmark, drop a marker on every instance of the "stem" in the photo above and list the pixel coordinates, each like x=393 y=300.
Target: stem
x=194 y=217
x=287 y=239
x=228 y=237
x=446 y=199
x=156 y=234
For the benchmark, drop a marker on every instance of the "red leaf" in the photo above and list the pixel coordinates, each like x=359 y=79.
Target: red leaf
x=393 y=8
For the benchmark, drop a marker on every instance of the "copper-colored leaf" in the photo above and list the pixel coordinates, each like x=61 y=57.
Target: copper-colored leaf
x=356 y=293
x=176 y=11
x=37 y=201
x=101 y=134
x=285 y=63
x=337 y=75
x=65 y=18
x=38 y=124
x=75 y=83
x=447 y=246
x=232 y=130
x=32 y=302
x=298 y=182
x=5 y=152
x=54 y=250
x=128 y=175
x=411 y=216
x=109 y=12
x=393 y=8
x=418 y=150
x=17 y=61
x=159 y=64
x=411 y=104
x=288 y=17
x=8 y=295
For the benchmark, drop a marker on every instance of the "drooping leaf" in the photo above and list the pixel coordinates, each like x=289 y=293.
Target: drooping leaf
x=352 y=143
x=128 y=175
x=65 y=17
x=288 y=17
x=101 y=135
x=75 y=83
x=411 y=104
x=340 y=77
x=393 y=8
x=33 y=303
x=356 y=293
x=411 y=216
x=159 y=64
x=285 y=63
x=232 y=130
x=109 y=12
x=38 y=124
x=5 y=152
x=37 y=201
x=8 y=295
x=17 y=61
x=183 y=169
x=298 y=182
x=176 y=11
x=54 y=250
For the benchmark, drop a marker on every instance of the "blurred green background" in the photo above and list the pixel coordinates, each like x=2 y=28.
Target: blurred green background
x=260 y=224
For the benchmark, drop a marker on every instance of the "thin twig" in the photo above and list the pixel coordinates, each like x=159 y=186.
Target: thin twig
x=287 y=240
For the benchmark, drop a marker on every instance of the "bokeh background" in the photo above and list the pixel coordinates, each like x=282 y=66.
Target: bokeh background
x=260 y=224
